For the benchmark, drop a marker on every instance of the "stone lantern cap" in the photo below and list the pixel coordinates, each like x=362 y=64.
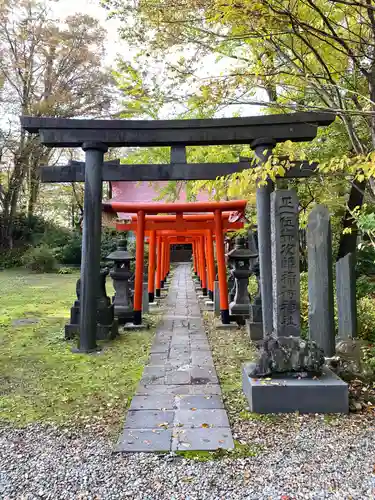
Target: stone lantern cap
x=241 y=250
x=121 y=254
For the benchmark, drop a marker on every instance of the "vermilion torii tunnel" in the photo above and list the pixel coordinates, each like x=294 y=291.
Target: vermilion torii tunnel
x=95 y=136
x=200 y=227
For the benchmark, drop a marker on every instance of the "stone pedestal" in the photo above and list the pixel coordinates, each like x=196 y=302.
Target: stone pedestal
x=145 y=302
x=123 y=305
x=72 y=329
x=216 y=299
x=121 y=274
x=324 y=394
x=240 y=256
x=107 y=326
x=218 y=325
x=255 y=330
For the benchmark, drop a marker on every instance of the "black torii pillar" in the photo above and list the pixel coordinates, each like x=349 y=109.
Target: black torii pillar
x=91 y=242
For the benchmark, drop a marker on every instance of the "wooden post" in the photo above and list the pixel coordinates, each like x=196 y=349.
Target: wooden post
x=158 y=266
x=193 y=246
x=204 y=271
x=199 y=263
x=220 y=255
x=210 y=264
x=151 y=266
x=162 y=263
x=139 y=264
x=91 y=240
x=168 y=258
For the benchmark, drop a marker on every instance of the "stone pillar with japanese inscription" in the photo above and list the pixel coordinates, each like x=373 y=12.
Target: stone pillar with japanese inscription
x=285 y=263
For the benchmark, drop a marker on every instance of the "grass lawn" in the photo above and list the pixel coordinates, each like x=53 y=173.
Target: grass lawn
x=40 y=379
x=230 y=348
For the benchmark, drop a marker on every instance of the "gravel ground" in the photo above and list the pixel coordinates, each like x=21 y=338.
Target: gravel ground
x=300 y=458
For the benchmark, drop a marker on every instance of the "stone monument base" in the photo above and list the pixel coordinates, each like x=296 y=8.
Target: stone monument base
x=209 y=305
x=103 y=332
x=325 y=394
x=153 y=307
x=255 y=330
x=107 y=332
x=218 y=325
x=133 y=327
x=124 y=318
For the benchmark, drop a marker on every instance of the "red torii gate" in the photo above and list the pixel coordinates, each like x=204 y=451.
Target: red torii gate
x=184 y=225
x=181 y=224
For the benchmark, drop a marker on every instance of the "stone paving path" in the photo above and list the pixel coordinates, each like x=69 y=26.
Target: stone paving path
x=178 y=403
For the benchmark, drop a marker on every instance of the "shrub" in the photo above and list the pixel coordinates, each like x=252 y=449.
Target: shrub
x=110 y=239
x=70 y=253
x=365 y=260
x=40 y=259
x=365 y=287
x=366 y=319
x=11 y=258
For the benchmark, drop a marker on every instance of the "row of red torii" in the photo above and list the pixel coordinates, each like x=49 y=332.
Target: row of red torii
x=188 y=225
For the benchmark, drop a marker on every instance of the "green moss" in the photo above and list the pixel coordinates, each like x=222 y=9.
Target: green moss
x=239 y=451
x=41 y=380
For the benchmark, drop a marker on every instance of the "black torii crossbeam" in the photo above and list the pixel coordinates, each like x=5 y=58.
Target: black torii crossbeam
x=113 y=171
x=95 y=136
x=66 y=132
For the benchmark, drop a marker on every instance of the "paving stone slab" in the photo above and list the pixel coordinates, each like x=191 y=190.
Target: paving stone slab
x=203 y=375
x=151 y=389
x=153 y=375
x=180 y=330
x=205 y=389
x=178 y=376
x=153 y=402
x=163 y=337
x=200 y=345
x=158 y=358
x=178 y=350
x=202 y=439
x=181 y=341
x=202 y=358
x=205 y=418
x=144 y=440
x=160 y=347
x=199 y=402
x=149 y=419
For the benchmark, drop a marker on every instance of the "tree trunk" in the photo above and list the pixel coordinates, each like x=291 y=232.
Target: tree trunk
x=348 y=241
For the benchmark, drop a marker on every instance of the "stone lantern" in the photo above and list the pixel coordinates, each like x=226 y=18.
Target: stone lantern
x=240 y=256
x=120 y=275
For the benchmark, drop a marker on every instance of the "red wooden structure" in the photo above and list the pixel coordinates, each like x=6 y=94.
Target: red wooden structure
x=180 y=222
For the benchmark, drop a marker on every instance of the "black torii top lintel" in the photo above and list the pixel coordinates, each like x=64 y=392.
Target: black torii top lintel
x=67 y=132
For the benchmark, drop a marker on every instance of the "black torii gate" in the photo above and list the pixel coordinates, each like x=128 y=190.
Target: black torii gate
x=95 y=136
